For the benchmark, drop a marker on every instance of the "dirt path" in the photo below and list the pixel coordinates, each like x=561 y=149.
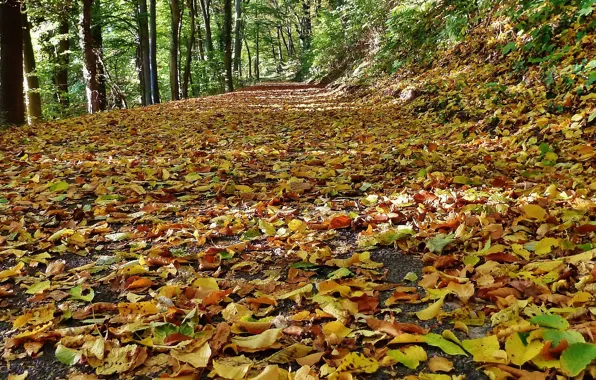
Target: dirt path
x=161 y=239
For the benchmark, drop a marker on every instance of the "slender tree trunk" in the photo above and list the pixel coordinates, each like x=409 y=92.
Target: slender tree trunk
x=62 y=62
x=227 y=31
x=189 y=46
x=145 y=57
x=12 y=100
x=279 y=46
x=140 y=72
x=283 y=38
x=33 y=96
x=238 y=35
x=96 y=32
x=257 y=58
x=249 y=58
x=205 y=4
x=155 y=98
x=90 y=71
x=291 y=49
x=306 y=25
x=174 y=42
x=200 y=41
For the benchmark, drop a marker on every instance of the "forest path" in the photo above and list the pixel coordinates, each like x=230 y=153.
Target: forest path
x=287 y=203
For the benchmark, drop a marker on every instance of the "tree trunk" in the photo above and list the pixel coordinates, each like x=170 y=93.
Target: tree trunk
x=90 y=71
x=249 y=58
x=189 y=46
x=145 y=57
x=12 y=100
x=279 y=45
x=200 y=44
x=33 y=96
x=62 y=62
x=291 y=49
x=305 y=25
x=238 y=35
x=155 y=98
x=96 y=33
x=205 y=4
x=227 y=31
x=175 y=24
x=257 y=71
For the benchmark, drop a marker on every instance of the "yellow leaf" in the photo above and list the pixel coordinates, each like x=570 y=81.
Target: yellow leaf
x=440 y=364
x=199 y=358
x=206 y=282
x=520 y=353
x=289 y=354
x=235 y=311
x=260 y=341
x=355 y=363
x=545 y=246
x=297 y=225
x=336 y=328
x=486 y=350
x=305 y=373
x=139 y=308
x=534 y=212
x=463 y=291
x=11 y=272
x=233 y=368
x=22 y=376
x=271 y=372
x=410 y=357
x=431 y=311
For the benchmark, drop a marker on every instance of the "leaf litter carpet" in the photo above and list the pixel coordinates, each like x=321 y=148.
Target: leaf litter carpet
x=288 y=232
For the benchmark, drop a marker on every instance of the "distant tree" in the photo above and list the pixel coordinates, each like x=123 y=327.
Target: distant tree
x=227 y=34
x=153 y=52
x=91 y=61
x=33 y=95
x=145 y=57
x=174 y=46
x=12 y=102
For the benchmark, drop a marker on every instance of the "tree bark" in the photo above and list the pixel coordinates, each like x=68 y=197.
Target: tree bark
x=305 y=25
x=205 y=4
x=189 y=46
x=62 y=62
x=33 y=95
x=227 y=31
x=12 y=100
x=257 y=57
x=96 y=33
x=155 y=97
x=145 y=57
x=200 y=43
x=238 y=35
x=90 y=72
x=249 y=58
x=174 y=43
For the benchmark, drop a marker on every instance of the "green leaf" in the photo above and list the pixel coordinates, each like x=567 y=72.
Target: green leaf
x=38 y=287
x=267 y=228
x=410 y=357
x=76 y=293
x=509 y=48
x=592 y=117
x=192 y=177
x=303 y=265
x=119 y=236
x=447 y=346
x=439 y=242
x=59 y=186
x=577 y=357
x=251 y=234
x=556 y=336
x=411 y=276
x=3 y=200
x=340 y=273
x=550 y=320
x=67 y=356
